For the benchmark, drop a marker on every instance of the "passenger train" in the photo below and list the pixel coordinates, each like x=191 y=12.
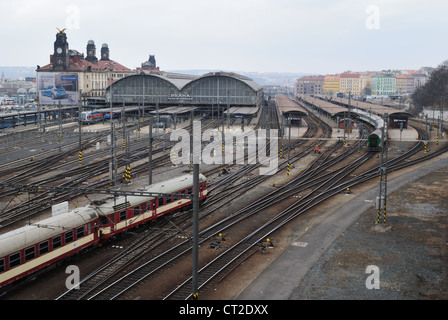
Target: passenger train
x=374 y=141
x=29 y=249
x=93 y=116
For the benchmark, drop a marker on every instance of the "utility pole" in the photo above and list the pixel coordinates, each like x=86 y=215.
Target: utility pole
x=228 y=110
x=289 y=144
x=441 y=127
x=191 y=139
x=349 y=118
x=60 y=122
x=381 y=199
x=112 y=163
x=123 y=127
x=80 y=126
x=195 y=227
x=128 y=158
x=150 y=153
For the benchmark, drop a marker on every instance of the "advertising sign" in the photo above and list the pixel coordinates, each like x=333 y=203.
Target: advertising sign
x=55 y=87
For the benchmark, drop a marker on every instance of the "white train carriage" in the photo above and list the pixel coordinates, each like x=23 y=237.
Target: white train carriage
x=28 y=249
x=93 y=116
x=123 y=213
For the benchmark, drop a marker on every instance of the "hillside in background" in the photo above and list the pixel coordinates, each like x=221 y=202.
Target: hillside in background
x=262 y=78
x=17 y=72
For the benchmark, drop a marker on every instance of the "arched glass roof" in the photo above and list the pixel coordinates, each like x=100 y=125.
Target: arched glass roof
x=170 y=88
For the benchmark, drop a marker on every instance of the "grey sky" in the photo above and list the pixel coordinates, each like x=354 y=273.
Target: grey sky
x=313 y=36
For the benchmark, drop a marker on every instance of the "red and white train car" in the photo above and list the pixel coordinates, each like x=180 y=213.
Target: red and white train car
x=28 y=249
x=123 y=213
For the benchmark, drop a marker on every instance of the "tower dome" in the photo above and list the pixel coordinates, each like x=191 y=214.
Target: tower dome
x=104 y=52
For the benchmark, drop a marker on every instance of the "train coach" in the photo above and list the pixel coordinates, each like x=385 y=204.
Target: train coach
x=374 y=142
x=26 y=250
x=93 y=116
x=122 y=213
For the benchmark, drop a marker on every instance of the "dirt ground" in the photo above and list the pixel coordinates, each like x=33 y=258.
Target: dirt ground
x=410 y=249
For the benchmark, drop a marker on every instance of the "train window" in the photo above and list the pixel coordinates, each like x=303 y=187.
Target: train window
x=182 y=193
x=169 y=200
x=30 y=253
x=89 y=229
x=14 y=260
x=123 y=215
x=104 y=221
x=2 y=265
x=79 y=232
x=68 y=236
x=43 y=247
x=160 y=202
x=57 y=242
x=136 y=210
x=190 y=190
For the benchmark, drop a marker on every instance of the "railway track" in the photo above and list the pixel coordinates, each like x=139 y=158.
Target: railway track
x=325 y=190
x=159 y=262
x=322 y=189
x=70 y=175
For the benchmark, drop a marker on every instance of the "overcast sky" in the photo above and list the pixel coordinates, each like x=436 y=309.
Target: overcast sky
x=311 y=36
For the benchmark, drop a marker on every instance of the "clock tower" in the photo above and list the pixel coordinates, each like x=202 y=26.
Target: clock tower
x=105 y=52
x=61 y=55
x=91 y=52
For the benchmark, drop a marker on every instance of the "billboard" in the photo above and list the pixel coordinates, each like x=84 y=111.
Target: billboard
x=55 y=87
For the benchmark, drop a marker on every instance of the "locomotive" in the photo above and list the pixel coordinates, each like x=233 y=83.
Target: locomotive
x=31 y=248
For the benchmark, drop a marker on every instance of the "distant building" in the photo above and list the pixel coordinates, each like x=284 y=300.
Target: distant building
x=404 y=83
x=149 y=65
x=309 y=85
x=73 y=72
x=352 y=83
x=331 y=84
x=383 y=84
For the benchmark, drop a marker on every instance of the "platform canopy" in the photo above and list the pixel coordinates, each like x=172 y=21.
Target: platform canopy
x=288 y=107
x=173 y=110
x=373 y=108
x=331 y=109
x=244 y=111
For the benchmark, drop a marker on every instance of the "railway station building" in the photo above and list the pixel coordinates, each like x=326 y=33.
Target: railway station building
x=212 y=94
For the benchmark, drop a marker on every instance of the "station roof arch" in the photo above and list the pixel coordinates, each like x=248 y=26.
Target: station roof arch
x=219 y=88
x=224 y=88
x=142 y=88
